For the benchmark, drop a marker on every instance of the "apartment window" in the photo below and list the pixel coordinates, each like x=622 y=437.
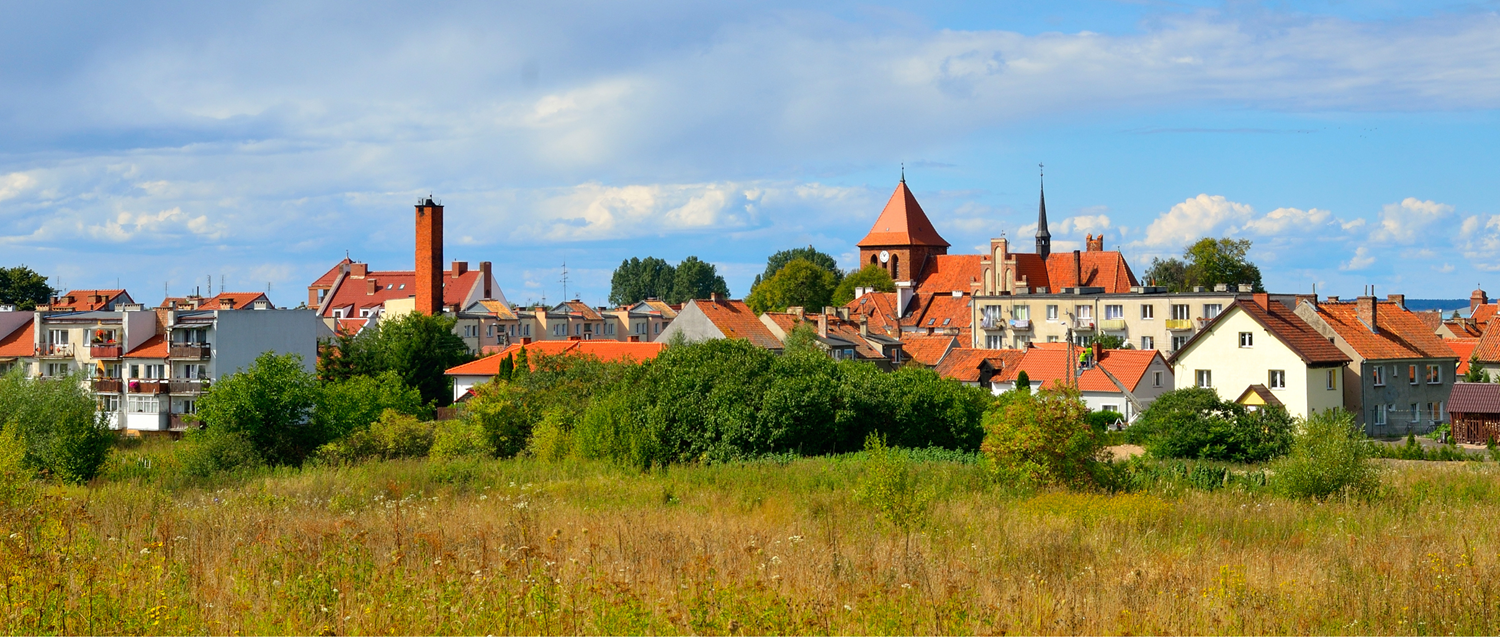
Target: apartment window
x=1148 y=342
x=1415 y=416
x=109 y=404
x=994 y=342
x=1435 y=411
x=338 y=314
x=1022 y=312
x=1411 y=374
x=992 y=314
x=187 y=407
x=1178 y=342
x=57 y=369
x=1379 y=415
x=1156 y=379
x=1205 y=378
x=1211 y=310
x=364 y=312
x=1113 y=408
x=144 y=405
x=1051 y=339
x=609 y=329
x=1247 y=339
x=1112 y=312
x=1148 y=312
x=1023 y=342
x=658 y=328
x=1052 y=312
x=1434 y=375
x=578 y=330
x=489 y=330
x=560 y=330
x=6 y=367
x=1083 y=312
x=57 y=337
x=1333 y=378
x=1277 y=379
x=1377 y=375
x=1181 y=312
x=193 y=371
x=526 y=329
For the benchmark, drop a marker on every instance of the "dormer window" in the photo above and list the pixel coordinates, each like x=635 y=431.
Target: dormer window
x=364 y=313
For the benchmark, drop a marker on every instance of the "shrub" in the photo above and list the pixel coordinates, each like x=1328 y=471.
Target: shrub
x=497 y=411
x=1330 y=457
x=890 y=488
x=1044 y=439
x=205 y=452
x=552 y=438
x=58 y=423
x=1194 y=423
x=350 y=405
x=394 y=435
x=609 y=431
x=271 y=404
x=454 y=439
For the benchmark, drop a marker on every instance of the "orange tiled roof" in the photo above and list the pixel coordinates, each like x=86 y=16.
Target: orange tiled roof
x=351 y=325
x=154 y=347
x=1464 y=328
x=498 y=310
x=928 y=350
x=902 y=223
x=83 y=300
x=354 y=292
x=241 y=300
x=1463 y=348
x=879 y=309
x=947 y=273
x=939 y=312
x=1483 y=313
x=1104 y=269
x=580 y=308
x=1049 y=366
x=608 y=351
x=1401 y=333
x=1487 y=350
x=1313 y=348
x=666 y=310
x=837 y=328
x=19 y=343
x=737 y=320
x=333 y=274
x=962 y=364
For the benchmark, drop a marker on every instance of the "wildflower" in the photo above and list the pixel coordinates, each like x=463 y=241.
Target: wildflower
x=484 y=497
x=794 y=539
x=846 y=607
x=145 y=551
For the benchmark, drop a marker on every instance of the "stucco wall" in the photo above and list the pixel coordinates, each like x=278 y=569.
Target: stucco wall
x=1235 y=368
x=242 y=335
x=1402 y=393
x=692 y=324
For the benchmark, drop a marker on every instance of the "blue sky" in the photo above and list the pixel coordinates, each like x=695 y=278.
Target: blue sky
x=156 y=144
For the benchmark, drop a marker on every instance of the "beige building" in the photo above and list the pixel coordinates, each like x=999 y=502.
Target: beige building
x=1146 y=317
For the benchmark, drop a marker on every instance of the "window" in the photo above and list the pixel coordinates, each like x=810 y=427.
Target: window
x=1379 y=415
x=1211 y=310
x=1435 y=411
x=609 y=329
x=1377 y=375
x=1112 y=312
x=1148 y=342
x=1083 y=312
x=1051 y=339
x=187 y=407
x=6 y=367
x=1113 y=408
x=109 y=404
x=1178 y=342
x=1021 y=312
x=1333 y=378
x=1148 y=312
x=364 y=312
x=1411 y=374
x=1434 y=375
x=658 y=328
x=1247 y=339
x=560 y=330
x=193 y=371
x=144 y=405
x=1277 y=379
x=946 y=321
x=489 y=330
x=57 y=337
x=1205 y=378
x=1023 y=342
x=56 y=369
x=992 y=314
x=1415 y=417
x=1181 y=313
x=994 y=342
x=578 y=330
x=156 y=371
x=527 y=329
x=1052 y=312
x=338 y=314
x=1156 y=379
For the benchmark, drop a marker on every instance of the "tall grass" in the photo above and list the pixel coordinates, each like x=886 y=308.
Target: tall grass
x=524 y=546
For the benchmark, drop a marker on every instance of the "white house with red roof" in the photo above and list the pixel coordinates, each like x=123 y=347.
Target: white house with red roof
x=1125 y=381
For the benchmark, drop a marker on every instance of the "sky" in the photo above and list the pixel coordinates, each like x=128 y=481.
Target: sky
x=153 y=145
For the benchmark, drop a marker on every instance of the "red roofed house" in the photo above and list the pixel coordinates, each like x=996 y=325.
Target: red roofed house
x=220 y=301
x=1133 y=380
x=87 y=301
x=1261 y=341
x=977 y=367
x=1474 y=410
x=1401 y=372
x=466 y=376
x=718 y=317
x=841 y=338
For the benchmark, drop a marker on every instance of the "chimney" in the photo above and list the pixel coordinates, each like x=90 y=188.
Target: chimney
x=1095 y=244
x=1364 y=307
x=525 y=340
x=1477 y=299
x=1398 y=299
x=429 y=257
x=634 y=338
x=484 y=273
x=1310 y=299
x=864 y=325
x=460 y=268
x=1077 y=270
x=371 y=285
x=1221 y=287
x=1098 y=352
x=797 y=311
x=1246 y=288
x=823 y=325
x=1332 y=299
x=262 y=304
x=226 y=304
x=359 y=270
x=1263 y=300
x=714 y=297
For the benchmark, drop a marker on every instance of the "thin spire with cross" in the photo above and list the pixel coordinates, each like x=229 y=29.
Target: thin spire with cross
x=903 y=172
x=1043 y=236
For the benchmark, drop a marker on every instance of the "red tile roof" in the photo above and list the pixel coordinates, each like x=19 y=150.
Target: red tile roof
x=351 y=325
x=1033 y=269
x=1098 y=268
x=1483 y=313
x=83 y=300
x=837 y=328
x=941 y=311
x=1401 y=333
x=580 y=309
x=902 y=223
x=962 y=364
x=927 y=350
x=154 y=347
x=1488 y=348
x=1464 y=328
x=947 y=273
x=1464 y=349
x=395 y=284
x=608 y=351
x=879 y=309
x=1313 y=348
x=1474 y=398
x=1049 y=366
x=19 y=343
x=333 y=274
x=737 y=320
x=242 y=300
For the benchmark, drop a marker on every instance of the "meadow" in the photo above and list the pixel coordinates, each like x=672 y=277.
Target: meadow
x=774 y=546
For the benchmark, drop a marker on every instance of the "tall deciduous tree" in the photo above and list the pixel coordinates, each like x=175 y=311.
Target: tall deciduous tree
x=871 y=276
x=23 y=287
x=640 y=279
x=1170 y=273
x=420 y=348
x=799 y=283
x=695 y=279
x=270 y=404
x=779 y=260
x=1215 y=261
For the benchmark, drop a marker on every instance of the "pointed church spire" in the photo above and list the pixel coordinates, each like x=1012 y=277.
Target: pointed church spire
x=1043 y=237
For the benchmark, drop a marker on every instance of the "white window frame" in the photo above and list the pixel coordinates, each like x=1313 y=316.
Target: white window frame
x=1203 y=378
x=1156 y=379
x=1380 y=415
x=1212 y=310
x=1114 y=312
x=1052 y=312
x=1083 y=312
x=1276 y=379
x=1148 y=312
x=1247 y=340
x=1434 y=375
x=1377 y=375
x=1148 y=342
x=1411 y=375
x=1182 y=312
x=1333 y=379
x=1021 y=312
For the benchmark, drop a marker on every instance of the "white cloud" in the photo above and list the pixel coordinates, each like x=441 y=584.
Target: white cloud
x=12 y=184
x=1087 y=224
x=1281 y=220
x=172 y=222
x=1401 y=222
x=1479 y=241
x=1193 y=219
x=1359 y=261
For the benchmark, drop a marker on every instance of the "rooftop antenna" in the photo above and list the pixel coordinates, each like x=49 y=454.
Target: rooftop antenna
x=565 y=280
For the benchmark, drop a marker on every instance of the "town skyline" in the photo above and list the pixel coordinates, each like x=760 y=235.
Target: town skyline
x=1319 y=132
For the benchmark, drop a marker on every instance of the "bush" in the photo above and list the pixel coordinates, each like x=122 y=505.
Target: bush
x=349 y=405
x=395 y=435
x=1330 y=457
x=890 y=488
x=1194 y=423
x=206 y=452
x=271 y=405
x=455 y=439
x=58 y=423
x=552 y=438
x=1044 y=439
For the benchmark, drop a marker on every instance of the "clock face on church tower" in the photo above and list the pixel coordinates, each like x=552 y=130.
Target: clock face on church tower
x=885 y=257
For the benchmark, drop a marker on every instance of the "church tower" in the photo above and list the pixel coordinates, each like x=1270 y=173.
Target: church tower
x=902 y=240
x=1043 y=237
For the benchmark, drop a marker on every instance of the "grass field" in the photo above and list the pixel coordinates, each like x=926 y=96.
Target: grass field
x=521 y=546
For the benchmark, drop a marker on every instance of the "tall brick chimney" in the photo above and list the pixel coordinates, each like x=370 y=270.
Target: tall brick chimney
x=484 y=273
x=1364 y=308
x=429 y=257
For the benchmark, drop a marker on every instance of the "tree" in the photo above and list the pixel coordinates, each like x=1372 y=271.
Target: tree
x=798 y=283
x=1044 y=439
x=640 y=279
x=802 y=338
x=1112 y=341
x=420 y=348
x=351 y=405
x=1195 y=423
x=23 y=287
x=695 y=279
x=58 y=424
x=779 y=260
x=871 y=276
x=1476 y=373
x=270 y=404
x=1215 y=261
x=345 y=356
x=1169 y=273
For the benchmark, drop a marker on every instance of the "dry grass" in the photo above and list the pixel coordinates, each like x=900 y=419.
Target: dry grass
x=530 y=547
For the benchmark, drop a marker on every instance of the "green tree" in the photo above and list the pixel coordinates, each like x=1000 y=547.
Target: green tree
x=1475 y=373
x=802 y=338
x=695 y=279
x=270 y=404
x=1112 y=341
x=640 y=279
x=1195 y=423
x=23 y=287
x=1023 y=382
x=871 y=276
x=58 y=423
x=892 y=489
x=1169 y=273
x=798 y=283
x=420 y=348
x=351 y=405
x=1330 y=457
x=1215 y=261
x=345 y=356
x=779 y=260
x=1044 y=439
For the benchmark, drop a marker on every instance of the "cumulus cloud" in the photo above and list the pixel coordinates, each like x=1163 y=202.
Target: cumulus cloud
x=1088 y=224
x=1280 y=220
x=12 y=184
x=1403 y=221
x=1195 y=218
x=173 y=222
x=1479 y=241
x=1361 y=260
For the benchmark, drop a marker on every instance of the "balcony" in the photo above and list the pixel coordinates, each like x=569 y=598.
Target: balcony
x=55 y=350
x=1083 y=325
x=185 y=386
x=1020 y=324
x=1179 y=325
x=1112 y=325
x=181 y=422
x=148 y=386
x=104 y=350
x=189 y=350
x=108 y=385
